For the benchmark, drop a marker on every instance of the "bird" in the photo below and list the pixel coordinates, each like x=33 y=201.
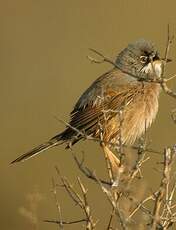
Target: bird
x=125 y=89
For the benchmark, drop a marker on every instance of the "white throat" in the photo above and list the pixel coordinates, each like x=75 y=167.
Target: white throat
x=157 y=68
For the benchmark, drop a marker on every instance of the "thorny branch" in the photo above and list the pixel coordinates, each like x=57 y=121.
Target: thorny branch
x=168 y=44
x=163 y=192
x=54 y=189
x=79 y=200
x=86 y=171
x=163 y=215
x=65 y=222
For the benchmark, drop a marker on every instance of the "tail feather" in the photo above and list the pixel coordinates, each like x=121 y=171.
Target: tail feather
x=35 y=151
x=66 y=136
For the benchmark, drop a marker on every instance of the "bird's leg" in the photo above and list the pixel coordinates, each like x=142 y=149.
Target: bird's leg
x=113 y=165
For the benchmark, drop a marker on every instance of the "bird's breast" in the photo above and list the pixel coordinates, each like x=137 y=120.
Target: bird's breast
x=140 y=114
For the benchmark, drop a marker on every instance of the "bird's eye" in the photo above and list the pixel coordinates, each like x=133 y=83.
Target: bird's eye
x=143 y=59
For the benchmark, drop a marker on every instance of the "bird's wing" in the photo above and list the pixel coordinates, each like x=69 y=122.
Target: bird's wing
x=86 y=118
x=107 y=84
x=108 y=94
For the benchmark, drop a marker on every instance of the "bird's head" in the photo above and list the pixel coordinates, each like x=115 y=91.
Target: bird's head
x=141 y=59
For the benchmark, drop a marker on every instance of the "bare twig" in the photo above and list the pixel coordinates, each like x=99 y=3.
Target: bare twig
x=151 y=197
x=113 y=198
x=162 y=192
x=89 y=223
x=168 y=44
x=65 y=222
x=87 y=172
x=110 y=219
x=57 y=204
x=81 y=202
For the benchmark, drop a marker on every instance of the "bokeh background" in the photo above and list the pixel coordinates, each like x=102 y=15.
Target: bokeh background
x=43 y=70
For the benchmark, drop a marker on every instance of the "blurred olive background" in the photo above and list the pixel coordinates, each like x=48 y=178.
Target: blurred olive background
x=43 y=70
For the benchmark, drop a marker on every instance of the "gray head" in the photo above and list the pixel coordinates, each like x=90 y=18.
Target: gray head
x=136 y=57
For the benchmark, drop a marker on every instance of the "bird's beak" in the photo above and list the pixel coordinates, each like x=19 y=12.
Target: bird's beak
x=157 y=57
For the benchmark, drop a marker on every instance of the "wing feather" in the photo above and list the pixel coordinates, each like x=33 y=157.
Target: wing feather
x=83 y=119
x=112 y=91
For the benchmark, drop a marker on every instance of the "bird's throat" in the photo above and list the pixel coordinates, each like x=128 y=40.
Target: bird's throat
x=154 y=68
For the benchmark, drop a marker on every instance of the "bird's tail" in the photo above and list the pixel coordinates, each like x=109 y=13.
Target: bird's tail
x=47 y=145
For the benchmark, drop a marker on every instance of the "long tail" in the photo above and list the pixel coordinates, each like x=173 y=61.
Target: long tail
x=35 y=151
x=66 y=136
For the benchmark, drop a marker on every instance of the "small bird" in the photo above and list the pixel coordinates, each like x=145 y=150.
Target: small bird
x=122 y=89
